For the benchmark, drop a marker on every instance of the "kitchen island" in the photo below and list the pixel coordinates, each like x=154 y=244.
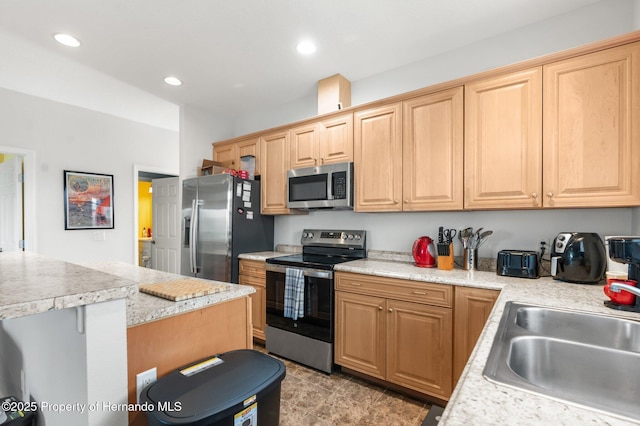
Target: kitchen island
x=72 y=337
x=63 y=338
x=166 y=335
x=475 y=400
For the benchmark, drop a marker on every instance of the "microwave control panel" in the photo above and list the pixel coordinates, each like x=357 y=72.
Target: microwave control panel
x=339 y=185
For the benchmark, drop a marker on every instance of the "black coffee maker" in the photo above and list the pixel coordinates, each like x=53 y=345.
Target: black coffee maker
x=626 y=250
x=578 y=257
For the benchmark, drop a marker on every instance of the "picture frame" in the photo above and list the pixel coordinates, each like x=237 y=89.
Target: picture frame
x=88 y=200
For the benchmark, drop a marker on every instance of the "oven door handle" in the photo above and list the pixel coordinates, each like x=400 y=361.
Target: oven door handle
x=308 y=272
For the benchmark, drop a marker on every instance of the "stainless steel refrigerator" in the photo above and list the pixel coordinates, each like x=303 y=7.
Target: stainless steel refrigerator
x=220 y=220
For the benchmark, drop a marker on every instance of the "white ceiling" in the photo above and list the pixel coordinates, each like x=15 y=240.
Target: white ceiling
x=239 y=55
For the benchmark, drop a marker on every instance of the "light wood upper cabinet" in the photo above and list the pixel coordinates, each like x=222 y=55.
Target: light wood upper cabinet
x=378 y=158
x=323 y=142
x=471 y=311
x=274 y=150
x=227 y=154
x=304 y=146
x=336 y=139
x=432 y=146
x=503 y=141
x=230 y=153
x=592 y=129
x=250 y=147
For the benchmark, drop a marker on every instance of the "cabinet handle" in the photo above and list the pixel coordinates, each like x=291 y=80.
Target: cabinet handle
x=420 y=292
x=549 y=194
x=395 y=201
x=406 y=201
x=390 y=310
x=358 y=284
x=321 y=160
x=534 y=195
x=315 y=161
x=379 y=308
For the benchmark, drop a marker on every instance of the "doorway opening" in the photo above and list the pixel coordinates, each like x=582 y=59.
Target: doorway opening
x=145 y=217
x=17 y=200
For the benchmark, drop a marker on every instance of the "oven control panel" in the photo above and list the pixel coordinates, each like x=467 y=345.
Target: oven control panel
x=333 y=237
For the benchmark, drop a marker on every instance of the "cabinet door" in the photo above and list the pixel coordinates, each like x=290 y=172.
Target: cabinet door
x=336 y=139
x=432 y=149
x=304 y=146
x=378 y=158
x=360 y=333
x=249 y=147
x=419 y=347
x=472 y=309
x=592 y=129
x=253 y=273
x=274 y=149
x=503 y=141
x=227 y=154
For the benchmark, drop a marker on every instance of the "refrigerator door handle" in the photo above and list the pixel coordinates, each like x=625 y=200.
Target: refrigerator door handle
x=193 y=237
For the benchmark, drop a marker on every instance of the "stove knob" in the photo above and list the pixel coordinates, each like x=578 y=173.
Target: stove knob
x=304 y=235
x=357 y=236
x=310 y=235
x=350 y=236
x=343 y=235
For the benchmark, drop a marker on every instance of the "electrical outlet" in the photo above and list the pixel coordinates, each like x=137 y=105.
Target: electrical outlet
x=143 y=380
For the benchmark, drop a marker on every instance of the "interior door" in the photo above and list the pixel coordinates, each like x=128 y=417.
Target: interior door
x=165 y=246
x=11 y=204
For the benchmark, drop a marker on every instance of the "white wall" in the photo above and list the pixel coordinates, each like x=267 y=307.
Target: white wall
x=66 y=137
x=513 y=229
x=198 y=130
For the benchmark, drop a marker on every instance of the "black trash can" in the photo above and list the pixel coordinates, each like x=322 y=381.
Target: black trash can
x=237 y=388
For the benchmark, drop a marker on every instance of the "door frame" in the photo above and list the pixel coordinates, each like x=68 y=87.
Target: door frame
x=29 y=198
x=137 y=168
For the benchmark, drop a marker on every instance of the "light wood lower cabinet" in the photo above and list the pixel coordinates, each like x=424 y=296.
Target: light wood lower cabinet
x=394 y=330
x=175 y=341
x=471 y=311
x=252 y=272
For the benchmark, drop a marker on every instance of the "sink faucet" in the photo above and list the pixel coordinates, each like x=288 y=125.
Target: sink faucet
x=618 y=287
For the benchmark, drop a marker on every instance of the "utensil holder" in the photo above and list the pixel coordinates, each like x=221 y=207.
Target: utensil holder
x=470 y=262
x=445 y=262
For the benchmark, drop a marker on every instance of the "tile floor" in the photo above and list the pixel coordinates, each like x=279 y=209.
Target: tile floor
x=309 y=397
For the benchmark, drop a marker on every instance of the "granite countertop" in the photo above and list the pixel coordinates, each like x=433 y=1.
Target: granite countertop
x=142 y=307
x=32 y=284
x=475 y=400
x=261 y=255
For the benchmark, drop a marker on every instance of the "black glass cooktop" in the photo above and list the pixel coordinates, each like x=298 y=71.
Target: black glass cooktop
x=309 y=260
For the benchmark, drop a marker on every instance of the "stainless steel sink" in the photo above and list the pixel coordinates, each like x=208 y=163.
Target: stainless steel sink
x=583 y=358
x=580 y=327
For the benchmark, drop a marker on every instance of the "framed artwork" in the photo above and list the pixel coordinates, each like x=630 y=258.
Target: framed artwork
x=88 y=200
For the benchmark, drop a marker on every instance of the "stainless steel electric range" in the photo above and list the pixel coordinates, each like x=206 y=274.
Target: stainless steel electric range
x=308 y=339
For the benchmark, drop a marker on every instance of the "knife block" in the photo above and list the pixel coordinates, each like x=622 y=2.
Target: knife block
x=446 y=262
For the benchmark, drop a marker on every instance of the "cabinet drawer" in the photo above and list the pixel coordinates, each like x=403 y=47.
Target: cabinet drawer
x=254 y=268
x=393 y=288
x=251 y=280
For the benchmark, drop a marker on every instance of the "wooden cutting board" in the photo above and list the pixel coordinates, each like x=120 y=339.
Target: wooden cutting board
x=182 y=289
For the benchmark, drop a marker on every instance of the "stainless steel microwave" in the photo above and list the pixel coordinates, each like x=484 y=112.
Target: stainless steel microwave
x=328 y=186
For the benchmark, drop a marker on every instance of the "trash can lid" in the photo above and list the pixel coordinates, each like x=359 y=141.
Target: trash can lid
x=213 y=385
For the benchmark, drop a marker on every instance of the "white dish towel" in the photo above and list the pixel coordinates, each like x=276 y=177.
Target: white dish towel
x=294 y=293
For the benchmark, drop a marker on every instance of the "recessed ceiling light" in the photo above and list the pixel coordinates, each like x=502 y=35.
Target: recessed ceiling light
x=67 y=40
x=306 y=47
x=174 y=81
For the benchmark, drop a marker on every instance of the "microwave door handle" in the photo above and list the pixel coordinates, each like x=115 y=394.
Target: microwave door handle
x=329 y=187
